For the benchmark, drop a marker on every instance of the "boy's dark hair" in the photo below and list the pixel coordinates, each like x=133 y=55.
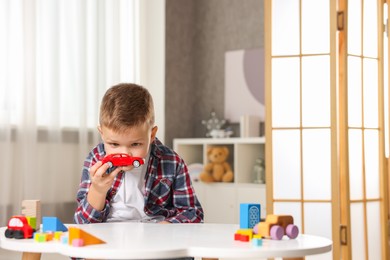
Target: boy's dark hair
x=126 y=105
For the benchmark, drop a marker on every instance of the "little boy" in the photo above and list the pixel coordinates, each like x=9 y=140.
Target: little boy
x=159 y=190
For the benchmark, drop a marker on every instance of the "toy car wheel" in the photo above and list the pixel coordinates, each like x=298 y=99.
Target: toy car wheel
x=18 y=234
x=292 y=231
x=136 y=164
x=255 y=229
x=110 y=164
x=9 y=233
x=276 y=232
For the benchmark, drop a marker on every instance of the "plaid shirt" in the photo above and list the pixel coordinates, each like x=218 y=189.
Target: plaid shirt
x=168 y=188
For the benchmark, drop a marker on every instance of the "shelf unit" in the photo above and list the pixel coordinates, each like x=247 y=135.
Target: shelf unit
x=221 y=201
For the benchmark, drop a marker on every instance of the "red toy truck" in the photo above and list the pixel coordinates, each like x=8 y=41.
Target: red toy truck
x=19 y=228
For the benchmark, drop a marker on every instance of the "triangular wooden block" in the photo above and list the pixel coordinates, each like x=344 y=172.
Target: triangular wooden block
x=53 y=224
x=76 y=233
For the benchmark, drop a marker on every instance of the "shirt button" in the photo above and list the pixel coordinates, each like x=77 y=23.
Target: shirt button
x=113 y=192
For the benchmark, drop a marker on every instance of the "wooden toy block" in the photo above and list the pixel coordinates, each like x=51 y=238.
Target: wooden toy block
x=32 y=221
x=78 y=242
x=76 y=233
x=58 y=235
x=244 y=238
x=246 y=231
x=49 y=236
x=52 y=224
x=32 y=208
x=257 y=242
x=40 y=237
x=64 y=239
x=249 y=215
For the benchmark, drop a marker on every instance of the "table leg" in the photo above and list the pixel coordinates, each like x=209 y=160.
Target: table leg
x=31 y=256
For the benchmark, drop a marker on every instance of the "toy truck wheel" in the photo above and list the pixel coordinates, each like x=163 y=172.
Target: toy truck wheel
x=292 y=231
x=276 y=232
x=18 y=234
x=136 y=164
x=110 y=164
x=9 y=233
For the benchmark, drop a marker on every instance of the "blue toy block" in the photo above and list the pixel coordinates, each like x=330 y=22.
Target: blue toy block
x=52 y=224
x=249 y=215
x=257 y=241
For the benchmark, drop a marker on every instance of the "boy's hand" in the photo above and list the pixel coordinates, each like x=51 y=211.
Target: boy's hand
x=100 y=184
x=100 y=180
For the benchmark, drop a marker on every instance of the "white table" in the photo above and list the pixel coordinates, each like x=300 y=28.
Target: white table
x=151 y=241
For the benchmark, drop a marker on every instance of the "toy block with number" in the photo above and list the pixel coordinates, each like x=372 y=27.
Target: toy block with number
x=52 y=224
x=88 y=239
x=249 y=215
x=32 y=208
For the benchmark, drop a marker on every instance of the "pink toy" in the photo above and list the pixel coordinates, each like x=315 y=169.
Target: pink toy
x=77 y=242
x=122 y=159
x=19 y=228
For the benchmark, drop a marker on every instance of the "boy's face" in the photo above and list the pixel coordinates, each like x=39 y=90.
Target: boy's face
x=134 y=142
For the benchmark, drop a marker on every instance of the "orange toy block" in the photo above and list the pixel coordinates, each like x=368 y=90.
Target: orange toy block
x=76 y=233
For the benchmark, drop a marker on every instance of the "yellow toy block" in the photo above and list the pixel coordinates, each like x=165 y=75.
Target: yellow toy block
x=40 y=237
x=32 y=221
x=246 y=231
x=57 y=235
x=76 y=233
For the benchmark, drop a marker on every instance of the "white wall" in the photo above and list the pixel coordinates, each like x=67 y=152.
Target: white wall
x=152 y=56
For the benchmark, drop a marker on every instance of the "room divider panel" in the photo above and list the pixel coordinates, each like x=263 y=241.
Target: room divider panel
x=325 y=126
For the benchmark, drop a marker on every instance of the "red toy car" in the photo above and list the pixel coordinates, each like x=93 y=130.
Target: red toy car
x=122 y=159
x=19 y=228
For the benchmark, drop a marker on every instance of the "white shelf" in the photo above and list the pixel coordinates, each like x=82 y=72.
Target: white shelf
x=221 y=201
x=243 y=153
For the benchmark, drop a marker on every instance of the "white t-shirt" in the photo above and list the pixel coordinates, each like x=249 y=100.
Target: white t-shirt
x=128 y=203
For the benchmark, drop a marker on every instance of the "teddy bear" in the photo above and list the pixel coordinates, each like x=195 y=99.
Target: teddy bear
x=217 y=169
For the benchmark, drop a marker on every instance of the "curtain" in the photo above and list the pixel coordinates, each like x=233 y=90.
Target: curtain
x=57 y=58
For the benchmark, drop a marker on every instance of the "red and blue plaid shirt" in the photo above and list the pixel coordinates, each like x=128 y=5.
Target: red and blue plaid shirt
x=168 y=189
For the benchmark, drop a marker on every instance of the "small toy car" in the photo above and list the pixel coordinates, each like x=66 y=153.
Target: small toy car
x=122 y=159
x=276 y=226
x=19 y=228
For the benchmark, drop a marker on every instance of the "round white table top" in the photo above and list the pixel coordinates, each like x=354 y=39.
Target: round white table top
x=150 y=241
